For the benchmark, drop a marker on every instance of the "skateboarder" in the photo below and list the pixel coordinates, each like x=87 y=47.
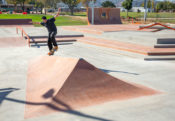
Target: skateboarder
x=52 y=30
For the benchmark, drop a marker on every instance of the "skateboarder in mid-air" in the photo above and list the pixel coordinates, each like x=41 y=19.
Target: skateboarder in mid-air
x=51 y=27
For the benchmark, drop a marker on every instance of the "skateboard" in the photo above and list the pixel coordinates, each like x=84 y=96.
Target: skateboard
x=53 y=51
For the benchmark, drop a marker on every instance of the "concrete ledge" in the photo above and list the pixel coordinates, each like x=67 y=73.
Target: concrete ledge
x=161 y=53
x=16 y=22
x=159 y=58
x=164 y=46
x=166 y=41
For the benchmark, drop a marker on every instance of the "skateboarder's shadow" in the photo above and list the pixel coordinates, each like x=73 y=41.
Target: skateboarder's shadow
x=5 y=92
x=49 y=94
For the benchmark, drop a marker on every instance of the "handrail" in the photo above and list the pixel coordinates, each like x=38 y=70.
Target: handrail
x=23 y=33
x=149 y=26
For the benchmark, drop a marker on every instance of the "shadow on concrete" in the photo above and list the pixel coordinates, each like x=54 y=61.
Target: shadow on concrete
x=49 y=94
x=5 y=92
x=109 y=71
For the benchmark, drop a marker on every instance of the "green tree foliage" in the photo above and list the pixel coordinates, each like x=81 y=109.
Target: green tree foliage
x=153 y=5
x=71 y=4
x=86 y=2
x=127 y=4
x=21 y=2
x=108 y=4
x=150 y=4
x=165 y=6
x=37 y=4
x=45 y=3
x=15 y=2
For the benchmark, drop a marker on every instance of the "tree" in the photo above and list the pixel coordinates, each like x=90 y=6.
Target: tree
x=149 y=4
x=71 y=4
x=14 y=2
x=127 y=4
x=158 y=7
x=152 y=6
x=108 y=4
x=86 y=2
x=165 y=6
x=39 y=5
x=45 y=5
x=21 y=2
x=52 y=3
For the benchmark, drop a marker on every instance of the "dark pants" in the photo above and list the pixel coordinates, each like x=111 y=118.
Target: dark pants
x=51 y=40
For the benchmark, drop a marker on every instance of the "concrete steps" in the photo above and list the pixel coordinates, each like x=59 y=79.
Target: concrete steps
x=161 y=53
x=164 y=50
x=164 y=46
x=166 y=41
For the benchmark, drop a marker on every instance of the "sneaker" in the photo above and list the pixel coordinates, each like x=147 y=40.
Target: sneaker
x=51 y=53
x=55 y=48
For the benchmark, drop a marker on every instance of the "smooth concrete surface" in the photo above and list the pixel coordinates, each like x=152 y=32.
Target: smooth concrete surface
x=143 y=38
x=158 y=75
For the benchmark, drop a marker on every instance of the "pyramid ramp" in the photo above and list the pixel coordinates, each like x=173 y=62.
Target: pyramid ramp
x=64 y=84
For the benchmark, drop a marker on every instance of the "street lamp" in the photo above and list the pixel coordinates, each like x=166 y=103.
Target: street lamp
x=145 y=5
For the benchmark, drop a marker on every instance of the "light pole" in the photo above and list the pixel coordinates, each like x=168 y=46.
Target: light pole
x=92 y=12
x=146 y=4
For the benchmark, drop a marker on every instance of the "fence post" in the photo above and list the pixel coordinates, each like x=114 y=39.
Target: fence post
x=17 y=30
x=22 y=33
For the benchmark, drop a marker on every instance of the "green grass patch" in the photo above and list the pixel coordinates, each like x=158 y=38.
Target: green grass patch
x=82 y=14
x=60 y=21
x=149 y=15
x=71 y=20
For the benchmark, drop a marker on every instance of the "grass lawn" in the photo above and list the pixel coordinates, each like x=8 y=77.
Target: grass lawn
x=82 y=14
x=71 y=20
x=149 y=15
x=61 y=20
x=152 y=17
x=133 y=14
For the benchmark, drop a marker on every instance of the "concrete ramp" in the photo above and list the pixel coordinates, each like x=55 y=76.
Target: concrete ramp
x=64 y=84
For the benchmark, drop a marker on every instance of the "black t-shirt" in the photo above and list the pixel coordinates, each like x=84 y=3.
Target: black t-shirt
x=50 y=25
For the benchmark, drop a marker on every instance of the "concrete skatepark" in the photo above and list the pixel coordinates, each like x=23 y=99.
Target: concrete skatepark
x=101 y=76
